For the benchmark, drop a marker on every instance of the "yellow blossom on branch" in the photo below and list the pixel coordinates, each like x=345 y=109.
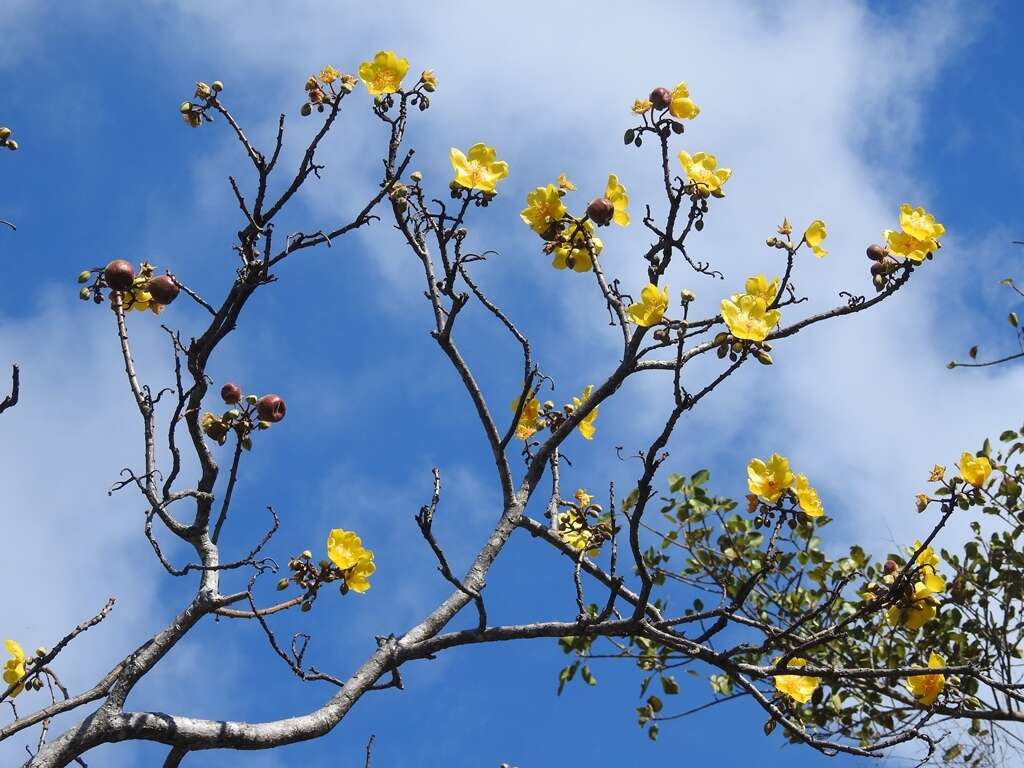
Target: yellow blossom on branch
x=926 y=688
x=615 y=193
x=938 y=473
x=544 y=207
x=759 y=286
x=702 y=169
x=328 y=75
x=808 y=497
x=479 y=168
x=583 y=498
x=384 y=73
x=748 y=317
x=814 y=235
x=641 y=105
x=975 y=469
x=651 y=307
x=565 y=184
x=800 y=688
x=918 y=612
x=345 y=549
x=576 y=249
x=586 y=426
x=528 y=419
x=770 y=479
x=682 y=105
x=919 y=234
x=429 y=79
x=14 y=669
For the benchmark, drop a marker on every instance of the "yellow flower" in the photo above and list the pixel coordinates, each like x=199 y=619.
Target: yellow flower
x=769 y=480
x=919 y=612
x=651 y=308
x=920 y=224
x=926 y=688
x=809 y=500
x=564 y=183
x=928 y=561
x=800 y=688
x=384 y=74
x=908 y=246
x=429 y=79
x=576 y=251
x=921 y=501
x=702 y=169
x=574 y=531
x=346 y=550
x=478 y=169
x=528 y=419
x=586 y=427
x=681 y=105
x=975 y=469
x=583 y=498
x=813 y=236
x=14 y=669
x=616 y=195
x=544 y=207
x=938 y=472
x=785 y=228
x=641 y=105
x=329 y=74
x=759 y=286
x=748 y=317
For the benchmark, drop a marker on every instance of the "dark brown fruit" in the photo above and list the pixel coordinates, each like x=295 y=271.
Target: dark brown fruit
x=876 y=252
x=661 y=98
x=890 y=566
x=600 y=211
x=163 y=289
x=119 y=274
x=270 y=408
x=879 y=268
x=231 y=393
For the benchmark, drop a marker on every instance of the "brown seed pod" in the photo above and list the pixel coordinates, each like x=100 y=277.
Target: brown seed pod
x=601 y=211
x=119 y=274
x=231 y=393
x=271 y=408
x=163 y=289
x=661 y=98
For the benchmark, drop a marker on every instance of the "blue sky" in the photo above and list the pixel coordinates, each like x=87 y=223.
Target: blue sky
x=839 y=111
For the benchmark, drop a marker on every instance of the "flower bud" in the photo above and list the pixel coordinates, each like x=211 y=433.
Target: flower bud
x=306 y=110
x=83 y=277
x=601 y=211
x=879 y=268
x=163 y=289
x=251 y=399
x=686 y=296
x=876 y=252
x=217 y=85
x=264 y=425
x=41 y=651
x=891 y=566
x=416 y=176
x=307 y=554
x=84 y=294
x=203 y=91
x=661 y=98
x=282 y=585
x=879 y=282
x=11 y=144
x=119 y=274
x=5 y=133
x=307 y=607
x=185 y=108
x=231 y=393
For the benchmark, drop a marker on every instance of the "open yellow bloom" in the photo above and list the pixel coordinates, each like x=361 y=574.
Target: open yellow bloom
x=926 y=688
x=702 y=169
x=583 y=498
x=544 y=207
x=616 y=195
x=479 y=168
x=759 y=286
x=429 y=79
x=576 y=252
x=975 y=469
x=527 y=423
x=641 y=105
x=902 y=244
x=329 y=74
x=586 y=427
x=769 y=480
x=384 y=73
x=564 y=183
x=920 y=224
x=929 y=561
x=748 y=317
x=813 y=236
x=808 y=498
x=938 y=473
x=800 y=688
x=346 y=550
x=651 y=308
x=920 y=611
x=14 y=669
x=682 y=105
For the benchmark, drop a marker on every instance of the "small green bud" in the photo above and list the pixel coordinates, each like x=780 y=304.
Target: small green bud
x=5 y=133
x=12 y=145
x=251 y=399
x=307 y=554
x=282 y=585
x=307 y=607
x=84 y=294
x=416 y=176
x=217 y=85
x=306 y=110
x=83 y=277
x=687 y=295
x=41 y=651
x=264 y=425
x=185 y=108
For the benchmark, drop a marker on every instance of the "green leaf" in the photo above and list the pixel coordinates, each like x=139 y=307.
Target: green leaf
x=1013 y=320
x=952 y=753
x=588 y=676
x=700 y=477
x=669 y=685
x=628 y=137
x=652 y=733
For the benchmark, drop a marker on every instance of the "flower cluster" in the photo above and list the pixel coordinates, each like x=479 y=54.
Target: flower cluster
x=248 y=414
x=6 y=141
x=535 y=416
x=14 y=668
x=146 y=291
x=703 y=171
x=581 y=524
x=772 y=480
x=354 y=563
x=748 y=316
x=916 y=240
x=917 y=603
x=194 y=112
x=326 y=88
x=572 y=240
